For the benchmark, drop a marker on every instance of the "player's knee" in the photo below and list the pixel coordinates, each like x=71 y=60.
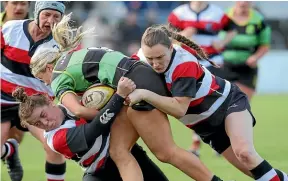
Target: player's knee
x=165 y=155
x=245 y=153
x=118 y=154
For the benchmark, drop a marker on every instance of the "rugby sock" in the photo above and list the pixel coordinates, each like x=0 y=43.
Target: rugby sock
x=265 y=172
x=7 y=150
x=282 y=175
x=55 y=172
x=215 y=178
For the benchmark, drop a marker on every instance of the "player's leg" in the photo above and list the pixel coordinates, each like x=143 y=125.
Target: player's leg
x=123 y=137
x=55 y=166
x=154 y=128
x=9 y=148
x=247 y=90
x=239 y=127
x=16 y=134
x=5 y=127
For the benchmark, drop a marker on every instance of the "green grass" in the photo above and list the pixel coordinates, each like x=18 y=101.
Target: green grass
x=270 y=141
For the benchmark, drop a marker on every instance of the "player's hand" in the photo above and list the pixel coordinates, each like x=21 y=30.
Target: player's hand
x=218 y=45
x=252 y=61
x=189 y=32
x=135 y=97
x=125 y=87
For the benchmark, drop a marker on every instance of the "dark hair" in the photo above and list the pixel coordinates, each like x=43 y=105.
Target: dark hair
x=28 y=103
x=161 y=34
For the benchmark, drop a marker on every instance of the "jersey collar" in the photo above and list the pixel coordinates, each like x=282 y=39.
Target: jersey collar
x=171 y=60
x=34 y=45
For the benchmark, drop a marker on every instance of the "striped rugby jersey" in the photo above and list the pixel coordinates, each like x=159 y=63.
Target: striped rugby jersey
x=70 y=141
x=17 y=48
x=208 y=23
x=185 y=77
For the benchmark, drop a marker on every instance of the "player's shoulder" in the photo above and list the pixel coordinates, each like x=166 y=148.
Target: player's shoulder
x=13 y=24
x=256 y=15
x=216 y=8
x=184 y=53
x=181 y=9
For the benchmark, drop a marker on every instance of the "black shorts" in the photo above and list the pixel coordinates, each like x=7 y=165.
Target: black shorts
x=10 y=113
x=223 y=73
x=110 y=172
x=146 y=78
x=245 y=75
x=212 y=130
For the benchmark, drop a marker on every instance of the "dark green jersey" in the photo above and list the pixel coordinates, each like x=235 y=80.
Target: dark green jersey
x=250 y=36
x=78 y=70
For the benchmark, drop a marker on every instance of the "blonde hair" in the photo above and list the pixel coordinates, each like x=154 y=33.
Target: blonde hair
x=68 y=38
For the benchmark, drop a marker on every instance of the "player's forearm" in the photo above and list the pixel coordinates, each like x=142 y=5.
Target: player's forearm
x=261 y=51
x=168 y=105
x=229 y=36
x=104 y=119
x=71 y=102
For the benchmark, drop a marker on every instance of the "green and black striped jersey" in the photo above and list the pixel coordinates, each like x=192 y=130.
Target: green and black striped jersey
x=78 y=70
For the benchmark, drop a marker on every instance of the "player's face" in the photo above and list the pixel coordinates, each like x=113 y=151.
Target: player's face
x=47 y=117
x=17 y=10
x=47 y=19
x=242 y=5
x=158 y=56
x=46 y=75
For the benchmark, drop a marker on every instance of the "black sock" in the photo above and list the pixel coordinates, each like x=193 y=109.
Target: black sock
x=150 y=170
x=55 y=171
x=264 y=172
x=215 y=178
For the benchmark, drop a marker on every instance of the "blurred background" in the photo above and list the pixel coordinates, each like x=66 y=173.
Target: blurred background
x=120 y=25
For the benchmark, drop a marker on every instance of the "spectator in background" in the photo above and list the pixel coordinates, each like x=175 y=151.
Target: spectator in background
x=246 y=49
x=129 y=34
x=14 y=10
x=151 y=17
x=104 y=32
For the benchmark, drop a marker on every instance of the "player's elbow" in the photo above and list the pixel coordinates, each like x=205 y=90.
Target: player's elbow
x=78 y=113
x=180 y=113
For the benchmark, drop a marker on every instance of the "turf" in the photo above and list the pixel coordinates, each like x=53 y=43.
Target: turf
x=270 y=141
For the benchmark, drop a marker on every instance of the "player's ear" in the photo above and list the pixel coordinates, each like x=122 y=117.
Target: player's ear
x=49 y=67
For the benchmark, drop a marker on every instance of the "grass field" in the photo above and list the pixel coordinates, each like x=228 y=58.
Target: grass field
x=270 y=140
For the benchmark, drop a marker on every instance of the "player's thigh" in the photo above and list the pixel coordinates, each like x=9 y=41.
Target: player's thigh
x=153 y=127
x=123 y=134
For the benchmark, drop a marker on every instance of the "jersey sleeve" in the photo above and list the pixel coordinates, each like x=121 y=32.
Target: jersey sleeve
x=6 y=30
x=265 y=34
x=227 y=23
x=175 y=21
x=67 y=141
x=184 y=79
x=2 y=40
x=71 y=141
x=62 y=85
